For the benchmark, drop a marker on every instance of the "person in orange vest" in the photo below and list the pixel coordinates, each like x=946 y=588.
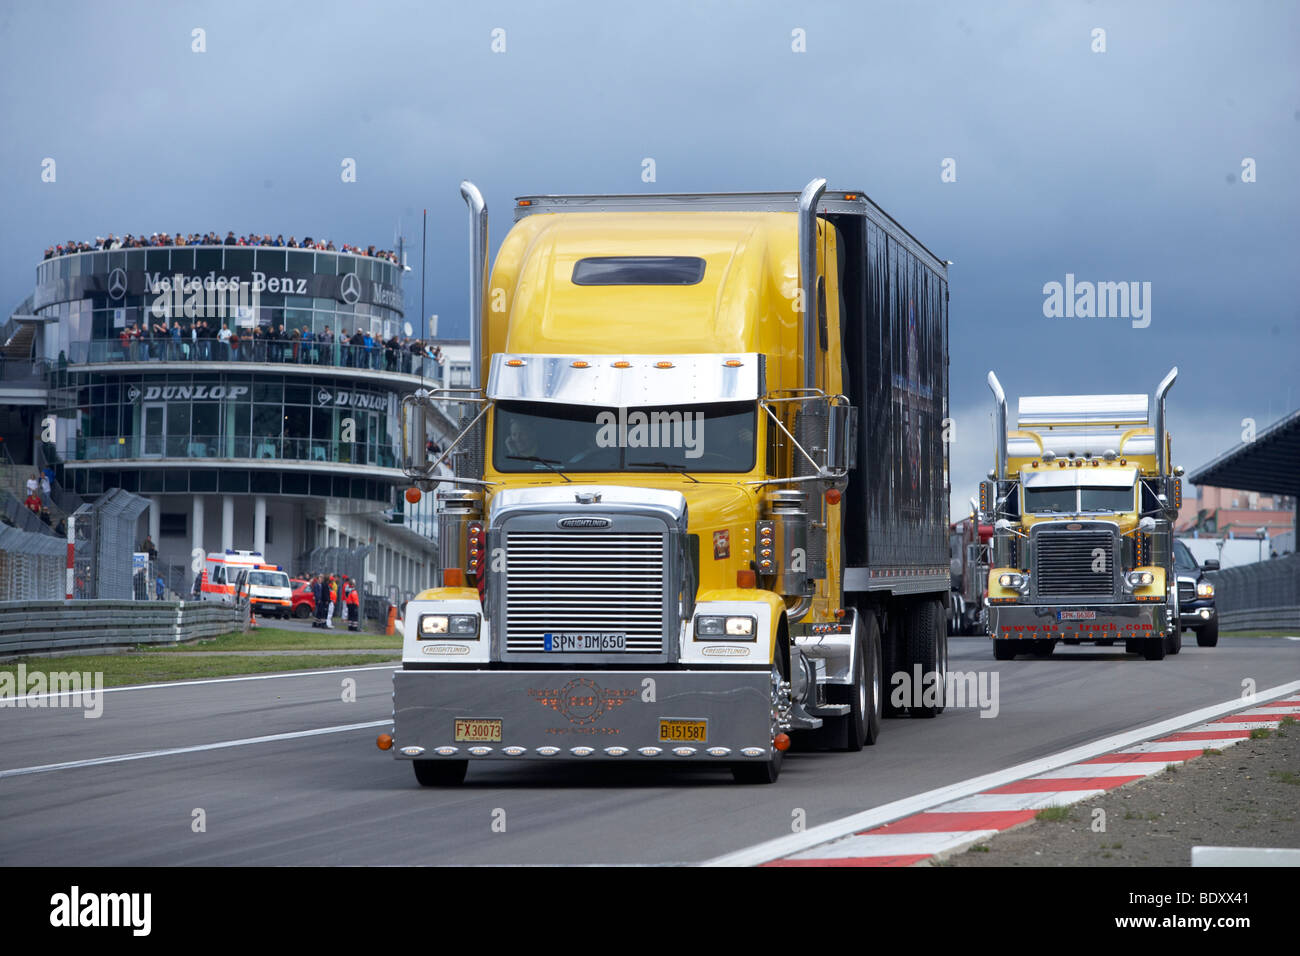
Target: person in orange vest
x=353 y=601
x=333 y=598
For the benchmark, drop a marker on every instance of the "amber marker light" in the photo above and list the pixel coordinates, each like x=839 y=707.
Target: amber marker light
x=384 y=741
x=781 y=742
x=663 y=364
x=733 y=363
x=525 y=202
x=833 y=496
x=515 y=363
x=580 y=364
x=453 y=577
x=413 y=495
x=746 y=578
x=621 y=364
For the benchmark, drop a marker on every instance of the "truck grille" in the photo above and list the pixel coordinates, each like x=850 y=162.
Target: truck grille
x=1063 y=564
x=1186 y=592
x=584 y=581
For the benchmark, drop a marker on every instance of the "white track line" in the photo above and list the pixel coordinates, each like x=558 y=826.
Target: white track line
x=865 y=820
x=220 y=745
x=194 y=683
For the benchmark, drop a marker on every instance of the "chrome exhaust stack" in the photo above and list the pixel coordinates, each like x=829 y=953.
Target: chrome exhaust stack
x=1000 y=423
x=478 y=277
x=808 y=199
x=1162 y=455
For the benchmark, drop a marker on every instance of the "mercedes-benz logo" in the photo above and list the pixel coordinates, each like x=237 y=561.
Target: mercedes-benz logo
x=350 y=288
x=132 y=394
x=117 y=283
x=323 y=396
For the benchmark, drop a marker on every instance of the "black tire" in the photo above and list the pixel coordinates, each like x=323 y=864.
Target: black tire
x=1153 y=648
x=440 y=773
x=302 y=611
x=1004 y=650
x=892 y=644
x=1043 y=648
x=927 y=645
x=1174 y=642
x=1208 y=636
x=862 y=724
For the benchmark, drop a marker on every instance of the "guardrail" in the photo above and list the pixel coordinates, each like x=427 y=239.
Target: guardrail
x=39 y=627
x=1261 y=619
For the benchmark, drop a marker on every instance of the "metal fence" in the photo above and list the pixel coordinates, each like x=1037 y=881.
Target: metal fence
x=343 y=561
x=33 y=567
x=104 y=542
x=1261 y=595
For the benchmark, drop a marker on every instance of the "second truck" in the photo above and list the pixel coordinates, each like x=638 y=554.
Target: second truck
x=700 y=493
x=1082 y=500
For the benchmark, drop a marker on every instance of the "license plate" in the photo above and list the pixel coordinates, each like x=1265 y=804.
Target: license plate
x=586 y=642
x=691 y=731
x=468 y=729
x=1076 y=615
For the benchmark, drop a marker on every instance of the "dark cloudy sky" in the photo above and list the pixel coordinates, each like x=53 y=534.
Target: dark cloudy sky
x=1117 y=166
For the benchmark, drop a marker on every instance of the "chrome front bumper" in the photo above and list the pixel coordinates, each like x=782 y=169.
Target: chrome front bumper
x=1098 y=622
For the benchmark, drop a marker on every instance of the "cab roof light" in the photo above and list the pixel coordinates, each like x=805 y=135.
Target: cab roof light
x=525 y=202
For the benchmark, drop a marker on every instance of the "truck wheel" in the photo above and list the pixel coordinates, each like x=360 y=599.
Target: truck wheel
x=892 y=644
x=440 y=773
x=928 y=646
x=1153 y=648
x=1208 y=636
x=1004 y=650
x=862 y=724
x=1174 y=642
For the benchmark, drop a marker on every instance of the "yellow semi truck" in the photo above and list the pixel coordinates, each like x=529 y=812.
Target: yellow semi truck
x=700 y=499
x=1082 y=500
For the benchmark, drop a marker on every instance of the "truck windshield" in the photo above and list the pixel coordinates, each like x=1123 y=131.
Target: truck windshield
x=544 y=436
x=1183 y=559
x=1077 y=500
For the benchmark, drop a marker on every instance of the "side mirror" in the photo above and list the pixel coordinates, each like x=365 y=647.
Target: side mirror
x=1210 y=564
x=842 y=440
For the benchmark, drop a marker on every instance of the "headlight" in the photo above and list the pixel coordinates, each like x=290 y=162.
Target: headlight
x=1011 y=580
x=1139 y=579
x=719 y=627
x=1205 y=589
x=464 y=626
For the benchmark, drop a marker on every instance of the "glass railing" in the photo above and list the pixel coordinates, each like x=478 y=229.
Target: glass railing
x=266 y=351
x=252 y=447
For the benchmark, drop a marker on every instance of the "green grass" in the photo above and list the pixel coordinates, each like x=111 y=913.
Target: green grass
x=1053 y=814
x=122 y=670
x=1211 y=752
x=980 y=848
x=1261 y=733
x=276 y=639
x=1286 y=776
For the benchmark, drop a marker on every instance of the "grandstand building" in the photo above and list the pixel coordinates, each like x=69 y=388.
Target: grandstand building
x=201 y=378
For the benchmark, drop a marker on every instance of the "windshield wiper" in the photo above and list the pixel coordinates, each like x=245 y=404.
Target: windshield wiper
x=548 y=462
x=664 y=465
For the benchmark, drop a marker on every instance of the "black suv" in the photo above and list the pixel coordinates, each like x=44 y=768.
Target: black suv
x=1196 y=596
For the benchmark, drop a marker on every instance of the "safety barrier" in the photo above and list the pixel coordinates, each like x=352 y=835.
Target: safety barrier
x=38 y=627
x=1263 y=596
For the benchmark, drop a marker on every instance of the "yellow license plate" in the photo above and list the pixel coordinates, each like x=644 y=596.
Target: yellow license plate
x=691 y=731
x=477 y=730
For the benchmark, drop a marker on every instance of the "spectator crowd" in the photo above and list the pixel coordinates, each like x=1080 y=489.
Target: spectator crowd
x=102 y=244
x=204 y=341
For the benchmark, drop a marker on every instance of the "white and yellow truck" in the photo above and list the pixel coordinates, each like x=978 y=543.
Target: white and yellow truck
x=700 y=498
x=1082 y=500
